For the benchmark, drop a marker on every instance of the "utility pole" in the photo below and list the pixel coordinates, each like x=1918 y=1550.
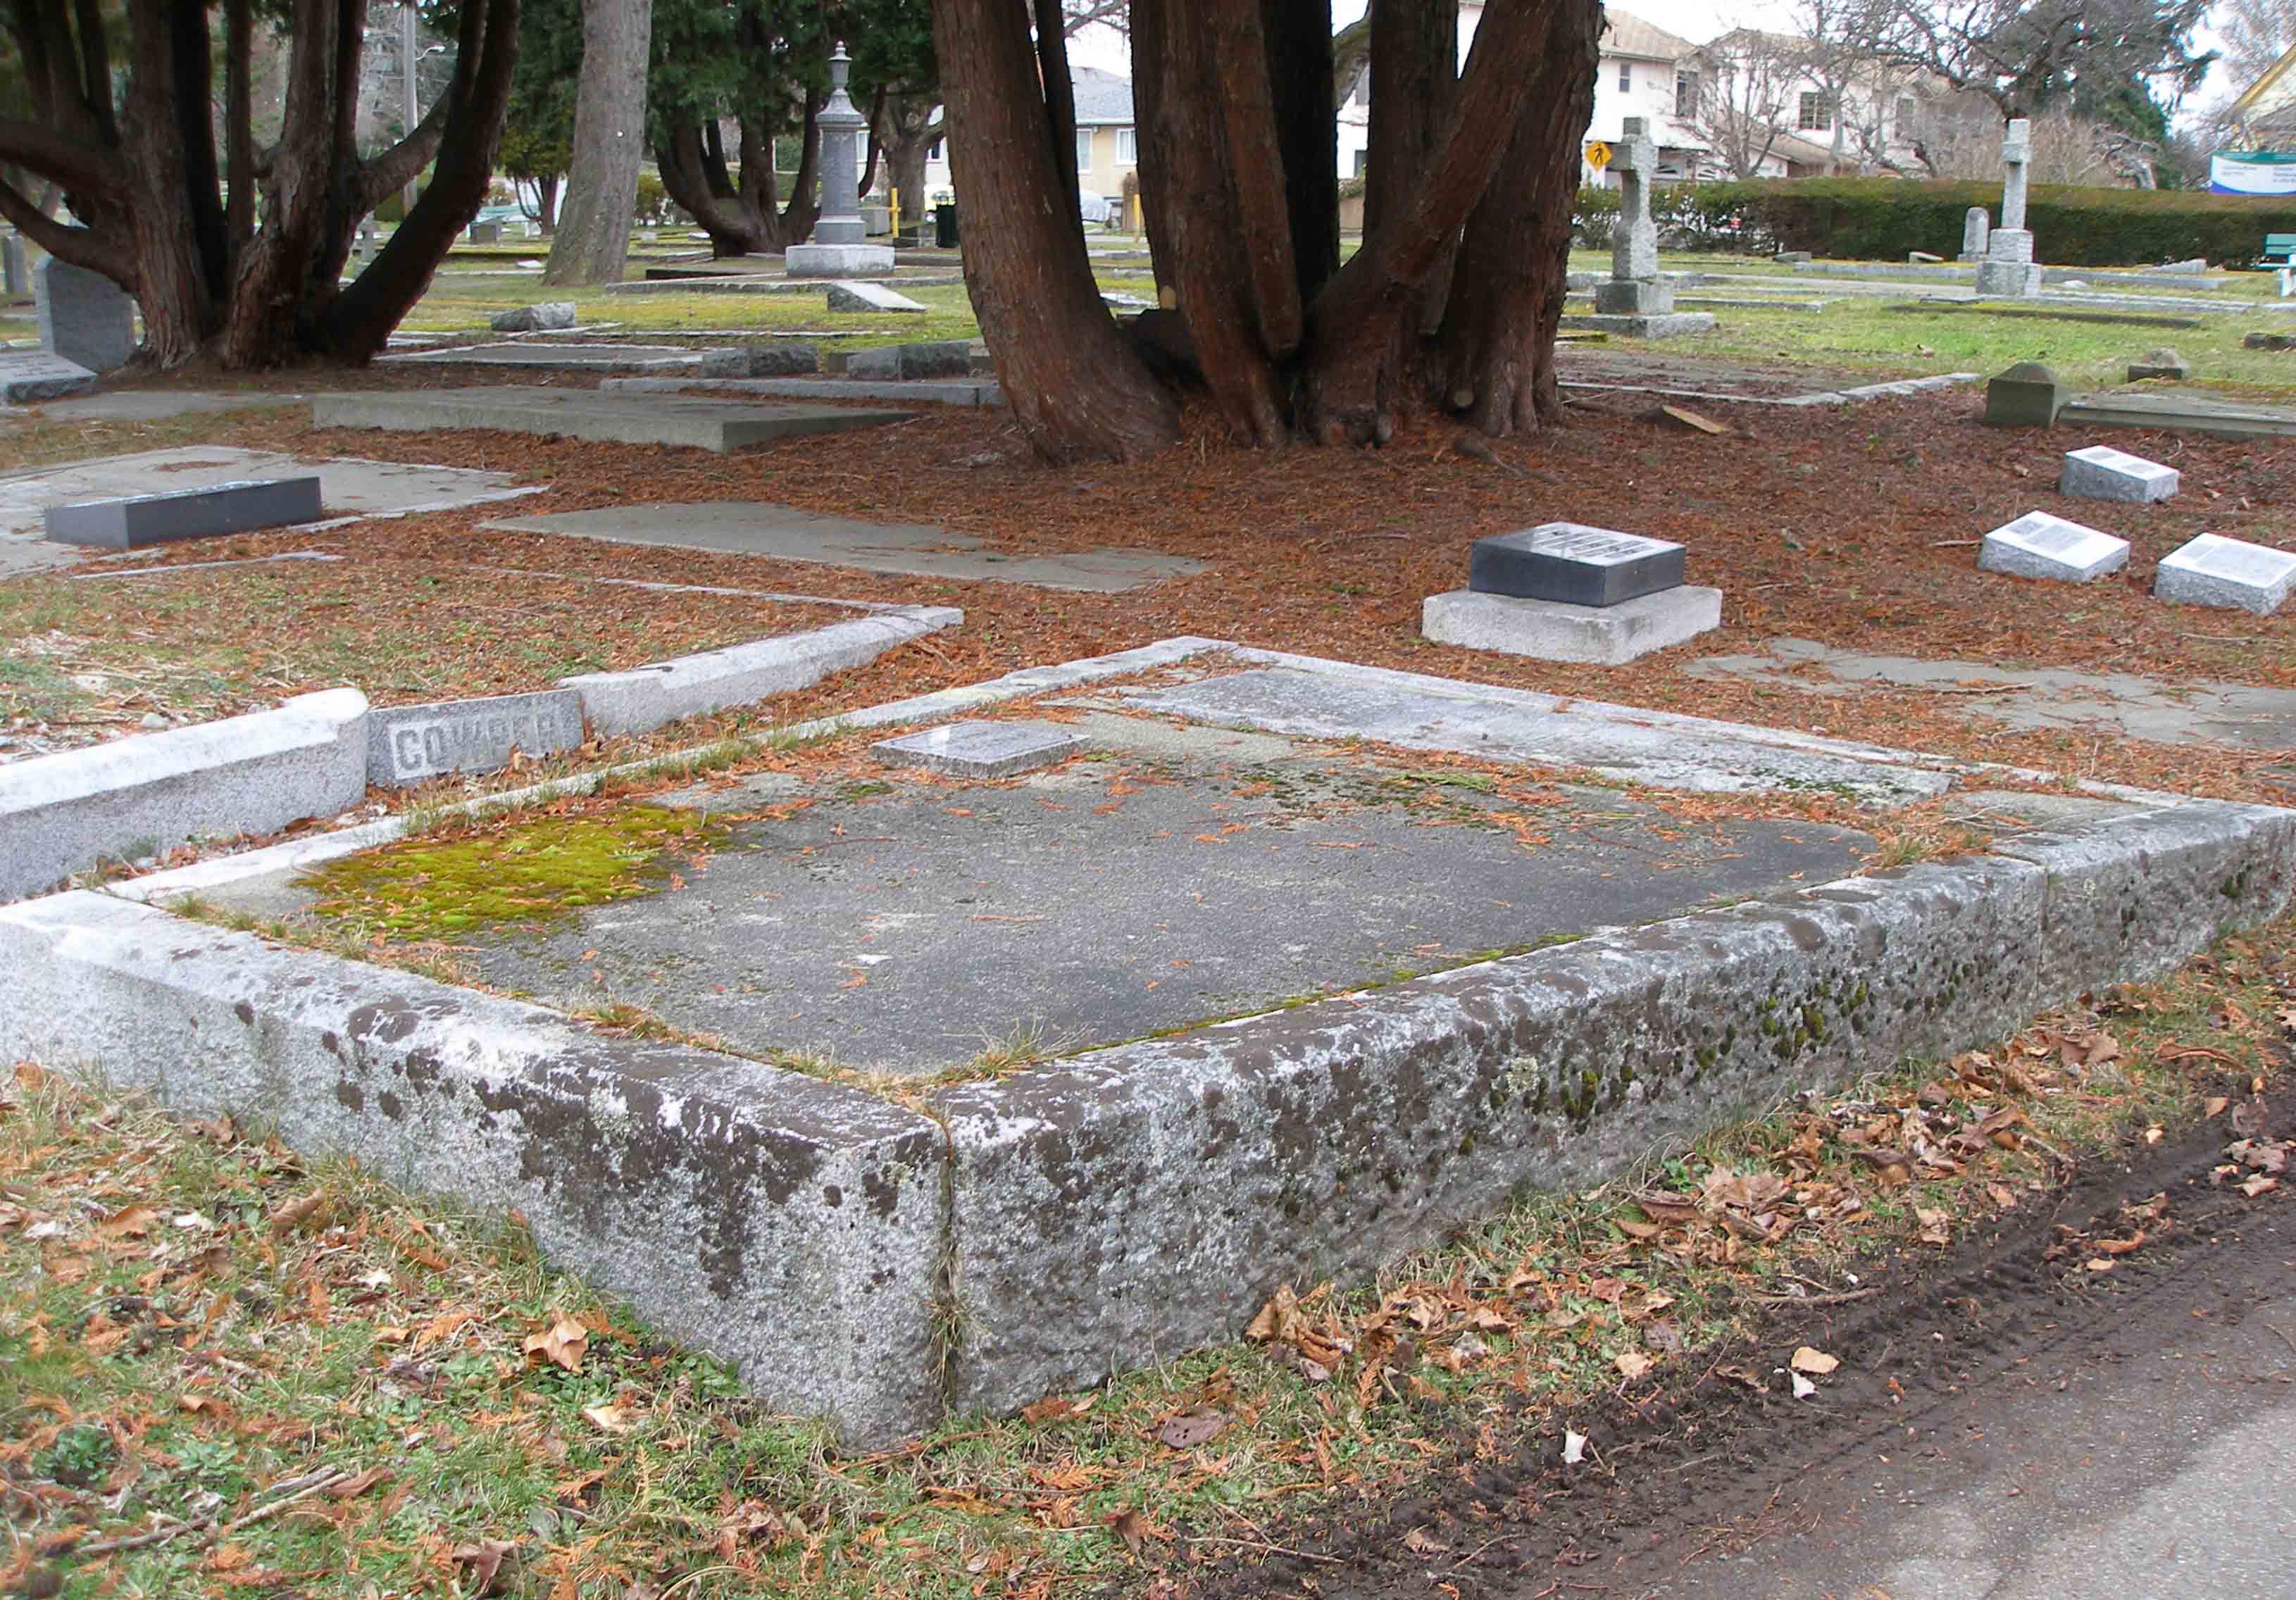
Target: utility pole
x=407 y=63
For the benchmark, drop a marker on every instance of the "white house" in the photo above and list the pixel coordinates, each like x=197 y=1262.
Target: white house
x=1640 y=76
x=1107 y=149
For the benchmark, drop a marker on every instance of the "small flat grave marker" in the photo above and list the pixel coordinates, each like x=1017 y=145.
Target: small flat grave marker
x=1573 y=563
x=864 y=296
x=186 y=513
x=983 y=750
x=29 y=375
x=407 y=744
x=2038 y=545
x=2232 y=573
x=2101 y=472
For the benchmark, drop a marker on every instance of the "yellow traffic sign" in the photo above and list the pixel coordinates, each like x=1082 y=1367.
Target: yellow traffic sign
x=1598 y=155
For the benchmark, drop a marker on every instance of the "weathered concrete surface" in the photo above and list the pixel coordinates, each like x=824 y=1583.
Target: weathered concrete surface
x=1223 y=879
x=1630 y=746
x=937 y=391
x=788 y=1225
x=1138 y=1201
x=2109 y=703
x=646 y=697
x=719 y=425
x=410 y=745
x=2181 y=412
x=147 y=793
x=784 y=533
x=599 y=357
x=1552 y=630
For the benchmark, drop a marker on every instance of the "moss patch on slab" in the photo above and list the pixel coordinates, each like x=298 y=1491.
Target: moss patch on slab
x=531 y=875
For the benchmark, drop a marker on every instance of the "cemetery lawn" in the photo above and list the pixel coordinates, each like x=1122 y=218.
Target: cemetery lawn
x=86 y=658
x=232 y=1370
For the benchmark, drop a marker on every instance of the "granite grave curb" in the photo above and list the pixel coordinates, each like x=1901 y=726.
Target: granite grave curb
x=792 y=1226
x=65 y=813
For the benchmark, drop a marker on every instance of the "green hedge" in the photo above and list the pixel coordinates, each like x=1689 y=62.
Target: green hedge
x=1875 y=220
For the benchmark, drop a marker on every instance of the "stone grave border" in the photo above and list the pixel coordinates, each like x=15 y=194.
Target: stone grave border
x=1136 y=1201
x=319 y=754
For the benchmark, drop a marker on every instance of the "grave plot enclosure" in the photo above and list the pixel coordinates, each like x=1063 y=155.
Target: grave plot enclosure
x=987 y=1087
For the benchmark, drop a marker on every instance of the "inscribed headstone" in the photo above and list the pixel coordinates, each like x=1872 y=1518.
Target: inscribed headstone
x=1573 y=563
x=2038 y=545
x=84 y=316
x=408 y=744
x=2232 y=573
x=2101 y=472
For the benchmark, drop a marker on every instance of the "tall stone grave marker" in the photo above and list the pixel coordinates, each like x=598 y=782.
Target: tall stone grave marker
x=85 y=318
x=12 y=264
x=1976 y=228
x=2008 y=267
x=840 y=246
x=1634 y=288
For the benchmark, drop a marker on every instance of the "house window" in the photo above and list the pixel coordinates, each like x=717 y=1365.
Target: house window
x=1361 y=157
x=1128 y=148
x=1084 y=150
x=1626 y=77
x=1816 y=112
x=932 y=150
x=1685 y=95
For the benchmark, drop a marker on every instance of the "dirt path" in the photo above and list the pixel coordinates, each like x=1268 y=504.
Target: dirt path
x=2005 y=1421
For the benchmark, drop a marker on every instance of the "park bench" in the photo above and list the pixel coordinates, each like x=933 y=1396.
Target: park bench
x=2280 y=252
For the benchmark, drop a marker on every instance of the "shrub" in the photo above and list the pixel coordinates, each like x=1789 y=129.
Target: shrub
x=1882 y=219
x=653 y=207
x=1594 y=219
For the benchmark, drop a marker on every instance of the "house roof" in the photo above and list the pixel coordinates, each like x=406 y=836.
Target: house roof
x=1103 y=99
x=1626 y=34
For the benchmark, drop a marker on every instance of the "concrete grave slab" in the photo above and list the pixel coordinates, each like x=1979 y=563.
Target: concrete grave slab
x=160 y=405
x=765 y=359
x=906 y=391
x=784 y=533
x=1118 y=1204
x=28 y=376
x=415 y=743
x=721 y=425
x=546 y=316
x=1554 y=630
x=2180 y=413
x=2038 y=545
x=1572 y=563
x=1677 y=324
x=864 y=296
x=2101 y=473
x=983 y=750
x=599 y=357
x=2211 y=570
x=940 y=359
x=139 y=520
x=2108 y=704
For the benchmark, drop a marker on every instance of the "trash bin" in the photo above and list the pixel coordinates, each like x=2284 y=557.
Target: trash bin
x=945 y=226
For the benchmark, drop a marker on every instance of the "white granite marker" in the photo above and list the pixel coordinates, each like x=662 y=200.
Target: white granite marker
x=868 y=297
x=2232 y=574
x=27 y=376
x=2101 y=472
x=982 y=749
x=2038 y=545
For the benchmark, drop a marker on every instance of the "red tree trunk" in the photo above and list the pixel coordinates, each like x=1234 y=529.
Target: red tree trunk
x=1076 y=389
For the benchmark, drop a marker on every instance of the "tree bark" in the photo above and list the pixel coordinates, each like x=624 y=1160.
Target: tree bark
x=239 y=125
x=1506 y=296
x=1058 y=97
x=1076 y=389
x=1299 y=34
x=601 y=181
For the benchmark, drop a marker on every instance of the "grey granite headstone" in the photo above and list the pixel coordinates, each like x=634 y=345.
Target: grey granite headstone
x=861 y=296
x=2215 y=571
x=410 y=745
x=486 y=233
x=85 y=318
x=29 y=375
x=2101 y=472
x=983 y=750
x=942 y=358
x=768 y=360
x=2027 y=396
x=2038 y=545
x=12 y=264
x=1573 y=563
x=186 y=513
x=549 y=316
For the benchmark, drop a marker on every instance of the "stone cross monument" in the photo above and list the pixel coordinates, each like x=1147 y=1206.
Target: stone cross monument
x=1634 y=288
x=2008 y=266
x=840 y=246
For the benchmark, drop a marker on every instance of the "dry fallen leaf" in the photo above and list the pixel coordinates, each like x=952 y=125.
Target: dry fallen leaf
x=1813 y=1361
x=559 y=1344
x=613 y=1419
x=1190 y=1429
x=490 y=1562
x=1420 y=1542
x=1634 y=1364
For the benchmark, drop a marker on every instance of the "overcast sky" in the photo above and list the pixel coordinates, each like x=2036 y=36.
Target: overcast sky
x=1697 y=20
